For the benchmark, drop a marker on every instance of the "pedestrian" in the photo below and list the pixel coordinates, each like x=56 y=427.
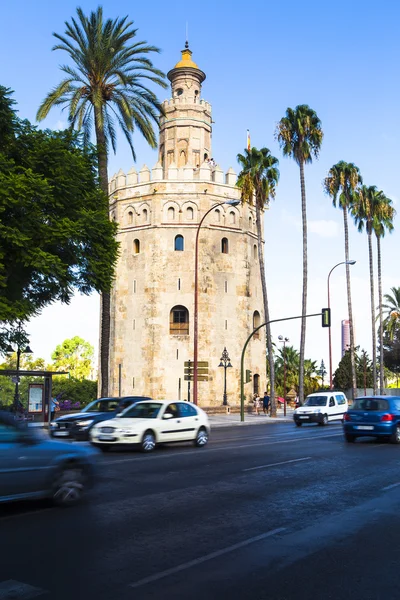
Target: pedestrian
x=257 y=404
x=54 y=406
x=265 y=403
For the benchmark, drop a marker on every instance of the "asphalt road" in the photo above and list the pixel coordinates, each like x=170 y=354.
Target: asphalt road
x=263 y=512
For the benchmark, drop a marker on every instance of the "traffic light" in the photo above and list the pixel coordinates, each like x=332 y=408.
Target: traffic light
x=326 y=317
x=249 y=376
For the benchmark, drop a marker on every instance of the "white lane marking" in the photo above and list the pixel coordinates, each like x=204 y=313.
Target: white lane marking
x=389 y=487
x=208 y=450
x=202 y=559
x=285 y=462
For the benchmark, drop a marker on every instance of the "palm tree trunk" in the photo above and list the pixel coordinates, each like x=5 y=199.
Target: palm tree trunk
x=259 y=215
x=105 y=308
x=371 y=278
x=349 y=304
x=381 y=373
x=304 y=298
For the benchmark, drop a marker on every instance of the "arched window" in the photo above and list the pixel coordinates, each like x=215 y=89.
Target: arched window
x=256 y=383
x=256 y=323
x=250 y=223
x=136 y=246
x=145 y=215
x=232 y=217
x=130 y=217
x=218 y=215
x=179 y=321
x=224 y=246
x=171 y=214
x=189 y=213
x=255 y=253
x=179 y=243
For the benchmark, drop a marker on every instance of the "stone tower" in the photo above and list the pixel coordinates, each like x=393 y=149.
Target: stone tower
x=152 y=302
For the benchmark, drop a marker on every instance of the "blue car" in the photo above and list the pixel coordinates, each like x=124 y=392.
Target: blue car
x=373 y=416
x=33 y=466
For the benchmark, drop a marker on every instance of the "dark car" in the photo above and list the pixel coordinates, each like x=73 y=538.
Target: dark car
x=373 y=416
x=32 y=466
x=78 y=425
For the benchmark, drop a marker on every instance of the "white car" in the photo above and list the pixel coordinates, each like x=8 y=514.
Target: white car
x=321 y=408
x=153 y=422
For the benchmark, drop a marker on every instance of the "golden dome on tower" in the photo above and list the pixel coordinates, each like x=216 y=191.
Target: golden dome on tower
x=186 y=60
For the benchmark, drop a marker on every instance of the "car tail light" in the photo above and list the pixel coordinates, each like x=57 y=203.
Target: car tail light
x=387 y=417
x=346 y=417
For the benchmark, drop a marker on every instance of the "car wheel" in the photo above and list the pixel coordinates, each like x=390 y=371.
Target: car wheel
x=298 y=423
x=395 y=437
x=148 y=442
x=201 y=438
x=350 y=438
x=324 y=420
x=69 y=486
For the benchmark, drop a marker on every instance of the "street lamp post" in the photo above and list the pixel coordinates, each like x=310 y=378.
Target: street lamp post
x=345 y=262
x=226 y=364
x=322 y=372
x=196 y=295
x=284 y=341
x=20 y=340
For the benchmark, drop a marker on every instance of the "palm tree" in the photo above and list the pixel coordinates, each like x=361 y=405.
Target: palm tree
x=300 y=136
x=391 y=324
x=340 y=184
x=291 y=360
x=258 y=179
x=106 y=85
x=364 y=209
x=383 y=220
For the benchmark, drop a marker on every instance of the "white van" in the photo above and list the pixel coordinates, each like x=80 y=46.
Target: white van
x=321 y=408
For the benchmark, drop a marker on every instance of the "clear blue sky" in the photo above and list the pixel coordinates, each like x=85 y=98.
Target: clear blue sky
x=341 y=58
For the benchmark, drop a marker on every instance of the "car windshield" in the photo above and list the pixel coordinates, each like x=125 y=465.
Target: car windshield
x=142 y=410
x=315 y=401
x=370 y=404
x=107 y=405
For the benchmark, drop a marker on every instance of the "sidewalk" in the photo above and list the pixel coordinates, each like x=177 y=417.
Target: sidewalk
x=250 y=419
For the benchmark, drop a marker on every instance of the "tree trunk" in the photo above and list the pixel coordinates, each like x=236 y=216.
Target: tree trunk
x=349 y=304
x=371 y=278
x=259 y=214
x=105 y=296
x=304 y=298
x=381 y=372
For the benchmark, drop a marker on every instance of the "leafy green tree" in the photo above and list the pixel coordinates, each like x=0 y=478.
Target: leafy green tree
x=300 y=136
x=342 y=378
x=54 y=239
x=107 y=84
x=75 y=356
x=341 y=183
x=74 y=390
x=258 y=179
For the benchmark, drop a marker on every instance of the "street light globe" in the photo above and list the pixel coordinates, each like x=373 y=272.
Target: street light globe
x=280 y=337
x=232 y=202
x=351 y=262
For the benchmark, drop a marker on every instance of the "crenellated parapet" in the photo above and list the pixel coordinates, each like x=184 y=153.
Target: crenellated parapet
x=205 y=173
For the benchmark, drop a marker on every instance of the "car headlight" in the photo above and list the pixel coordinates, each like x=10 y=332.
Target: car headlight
x=125 y=431
x=85 y=423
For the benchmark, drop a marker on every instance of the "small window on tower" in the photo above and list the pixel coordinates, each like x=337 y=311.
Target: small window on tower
x=179 y=243
x=224 y=246
x=179 y=92
x=136 y=247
